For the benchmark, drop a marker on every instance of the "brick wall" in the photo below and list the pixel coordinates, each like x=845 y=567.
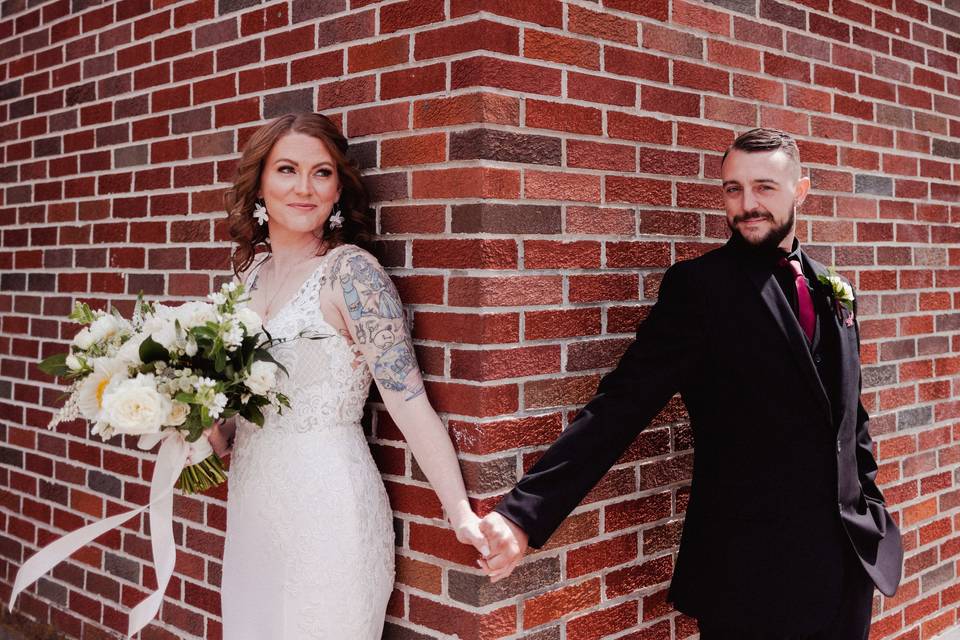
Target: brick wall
x=536 y=165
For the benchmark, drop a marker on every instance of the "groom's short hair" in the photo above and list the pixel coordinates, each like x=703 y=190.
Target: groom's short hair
x=763 y=139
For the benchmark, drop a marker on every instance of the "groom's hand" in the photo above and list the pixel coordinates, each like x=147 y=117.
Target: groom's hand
x=508 y=544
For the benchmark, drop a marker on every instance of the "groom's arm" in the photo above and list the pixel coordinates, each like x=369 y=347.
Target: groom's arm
x=659 y=362
x=866 y=462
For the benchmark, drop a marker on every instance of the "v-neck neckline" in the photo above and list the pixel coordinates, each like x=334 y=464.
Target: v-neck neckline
x=299 y=292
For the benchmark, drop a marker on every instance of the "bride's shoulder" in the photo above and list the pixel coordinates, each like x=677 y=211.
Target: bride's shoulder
x=349 y=257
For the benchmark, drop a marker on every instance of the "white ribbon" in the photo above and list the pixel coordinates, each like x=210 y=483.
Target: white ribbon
x=174 y=454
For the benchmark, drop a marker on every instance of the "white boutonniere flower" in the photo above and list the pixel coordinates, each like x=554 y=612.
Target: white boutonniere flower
x=842 y=294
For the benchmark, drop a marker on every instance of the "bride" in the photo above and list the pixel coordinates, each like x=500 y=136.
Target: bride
x=310 y=546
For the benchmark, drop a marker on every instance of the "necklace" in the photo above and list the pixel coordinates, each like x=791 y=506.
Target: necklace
x=275 y=281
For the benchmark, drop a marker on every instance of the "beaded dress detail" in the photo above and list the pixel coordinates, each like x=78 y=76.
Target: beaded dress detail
x=309 y=550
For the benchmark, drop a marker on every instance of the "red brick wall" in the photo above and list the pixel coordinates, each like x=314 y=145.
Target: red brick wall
x=536 y=165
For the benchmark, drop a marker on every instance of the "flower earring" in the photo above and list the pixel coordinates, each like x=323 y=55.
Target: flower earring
x=336 y=218
x=260 y=212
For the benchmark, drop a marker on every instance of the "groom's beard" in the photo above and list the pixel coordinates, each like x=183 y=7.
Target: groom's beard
x=773 y=238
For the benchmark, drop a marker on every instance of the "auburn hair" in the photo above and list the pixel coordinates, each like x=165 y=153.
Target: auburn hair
x=239 y=199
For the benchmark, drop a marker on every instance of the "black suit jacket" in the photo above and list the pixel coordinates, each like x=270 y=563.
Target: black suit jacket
x=783 y=476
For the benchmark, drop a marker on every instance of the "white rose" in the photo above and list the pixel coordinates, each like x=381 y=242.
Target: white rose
x=73 y=363
x=262 y=377
x=250 y=320
x=107 y=372
x=83 y=339
x=178 y=414
x=134 y=406
x=195 y=314
x=104 y=328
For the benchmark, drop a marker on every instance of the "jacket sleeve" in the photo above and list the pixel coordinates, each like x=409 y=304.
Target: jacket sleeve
x=655 y=366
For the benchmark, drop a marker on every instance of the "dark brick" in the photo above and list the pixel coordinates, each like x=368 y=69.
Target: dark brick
x=212 y=144
x=131 y=156
x=310 y=9
x=10 y=90
x=105 y=483
x=6 y=389
x=946 y=148
x=121 y=567
x=364 y=154
x=11 y=457
x=748 y=7
x=875 y=185
x=19 y=195
x=278 y=104
x=486 y=217
x=477 y=590
x=945 y=20
x=948 y=323
x=22 y=108
x=47 y=147
x=879 y=376
x=42 y=282
x=386 y=186
x=80 y=94
x=217 y=33
x=908 y=418
x=226 y=6
x=13 y=282
x=189 y=121
x=487 y=144
x=53 y=491
x=50 y=590
x=148 y=284
x=784 y=14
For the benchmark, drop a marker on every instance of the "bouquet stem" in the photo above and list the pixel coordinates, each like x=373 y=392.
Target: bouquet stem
x=207 y=474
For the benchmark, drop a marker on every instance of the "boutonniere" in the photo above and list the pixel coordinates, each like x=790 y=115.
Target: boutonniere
x=841 y=294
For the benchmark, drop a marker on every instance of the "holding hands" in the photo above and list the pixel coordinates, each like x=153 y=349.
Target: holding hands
x=507 y=545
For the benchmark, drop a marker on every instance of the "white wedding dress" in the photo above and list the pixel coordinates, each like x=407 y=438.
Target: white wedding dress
x=309 y=546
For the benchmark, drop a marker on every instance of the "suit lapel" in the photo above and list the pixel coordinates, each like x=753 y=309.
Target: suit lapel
x=848 y=351
x=776 y=303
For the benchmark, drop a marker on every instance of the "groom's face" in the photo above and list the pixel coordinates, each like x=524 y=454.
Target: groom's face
x=761 y=191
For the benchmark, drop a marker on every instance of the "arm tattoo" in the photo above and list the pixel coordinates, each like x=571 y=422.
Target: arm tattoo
x=375 y=309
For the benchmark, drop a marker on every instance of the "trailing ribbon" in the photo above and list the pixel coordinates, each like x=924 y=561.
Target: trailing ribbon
x=174 y=454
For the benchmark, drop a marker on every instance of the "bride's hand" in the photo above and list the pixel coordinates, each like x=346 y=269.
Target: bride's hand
x=222 y=445
x=468 y=532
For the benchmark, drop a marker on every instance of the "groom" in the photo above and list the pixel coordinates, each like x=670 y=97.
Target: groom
x=786 y=532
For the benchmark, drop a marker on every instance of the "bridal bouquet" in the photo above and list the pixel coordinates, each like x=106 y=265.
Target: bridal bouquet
x=170 y=371
x=165 y=375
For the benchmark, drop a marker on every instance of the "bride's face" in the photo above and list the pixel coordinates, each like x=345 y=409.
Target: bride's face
x=299 y=184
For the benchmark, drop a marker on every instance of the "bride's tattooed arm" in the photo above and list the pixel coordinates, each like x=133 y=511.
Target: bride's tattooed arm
x=377 y=321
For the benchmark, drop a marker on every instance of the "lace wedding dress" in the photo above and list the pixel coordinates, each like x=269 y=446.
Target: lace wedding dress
x=310 y=546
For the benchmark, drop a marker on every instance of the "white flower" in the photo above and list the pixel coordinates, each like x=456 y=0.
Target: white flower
x=262 y=377
x=250 y=320
x=73 y=363
x=231 y=334
x=217 y=298
x=83 y=339
x=191 y=347
x=178 y=414
x=218 y=405
x=91 y=391
x=130 y=351
x=195 y=314
x=135 y=407
x=105 y=327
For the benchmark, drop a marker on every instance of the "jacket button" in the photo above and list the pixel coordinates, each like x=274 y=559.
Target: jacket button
x=818 y=358
x=838 y=446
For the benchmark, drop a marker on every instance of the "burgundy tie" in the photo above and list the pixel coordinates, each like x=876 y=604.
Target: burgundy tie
x=804 y=301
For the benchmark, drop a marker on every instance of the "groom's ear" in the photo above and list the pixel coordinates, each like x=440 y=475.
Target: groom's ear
x=803 y=188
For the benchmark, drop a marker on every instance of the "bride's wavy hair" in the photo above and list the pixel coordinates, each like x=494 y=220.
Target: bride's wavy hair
x=239 y=199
